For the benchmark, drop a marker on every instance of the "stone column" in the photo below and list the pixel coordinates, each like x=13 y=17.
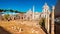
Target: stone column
x=48 y=24
x=33 y=13
x=52 y=21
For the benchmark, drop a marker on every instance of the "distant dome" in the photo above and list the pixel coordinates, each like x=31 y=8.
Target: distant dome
x=29 y=11
x=36 y=12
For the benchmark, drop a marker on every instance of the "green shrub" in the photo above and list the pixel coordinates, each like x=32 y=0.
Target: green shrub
x=6 y=16
x=42 y=22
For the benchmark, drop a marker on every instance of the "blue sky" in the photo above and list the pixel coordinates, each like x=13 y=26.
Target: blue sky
x=24 y=5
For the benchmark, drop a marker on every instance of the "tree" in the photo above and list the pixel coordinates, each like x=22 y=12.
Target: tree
x=6 y=16
x=11 y=10
x=42 y=22
x=1 y=10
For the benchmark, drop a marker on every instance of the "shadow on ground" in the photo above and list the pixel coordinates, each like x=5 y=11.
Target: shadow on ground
x=43 y=28
x=3 y=31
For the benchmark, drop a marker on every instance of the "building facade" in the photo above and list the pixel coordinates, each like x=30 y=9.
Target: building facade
x=32 y=15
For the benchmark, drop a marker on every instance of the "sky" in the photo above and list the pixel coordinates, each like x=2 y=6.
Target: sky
x=24 y=5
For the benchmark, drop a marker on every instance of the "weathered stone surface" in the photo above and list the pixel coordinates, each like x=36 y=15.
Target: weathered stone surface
x=18 y=28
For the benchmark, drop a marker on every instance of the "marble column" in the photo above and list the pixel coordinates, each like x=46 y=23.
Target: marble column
x=52 y=21
x=33 y=13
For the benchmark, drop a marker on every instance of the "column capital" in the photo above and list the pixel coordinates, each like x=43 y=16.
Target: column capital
x=53 y=7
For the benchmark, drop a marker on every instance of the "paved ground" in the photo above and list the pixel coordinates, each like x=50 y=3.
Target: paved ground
x=15 y=27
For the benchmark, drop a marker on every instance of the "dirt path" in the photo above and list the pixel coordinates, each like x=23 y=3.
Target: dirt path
x=18 y=28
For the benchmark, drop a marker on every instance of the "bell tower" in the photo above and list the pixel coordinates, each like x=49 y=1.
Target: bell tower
x=46 y=13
